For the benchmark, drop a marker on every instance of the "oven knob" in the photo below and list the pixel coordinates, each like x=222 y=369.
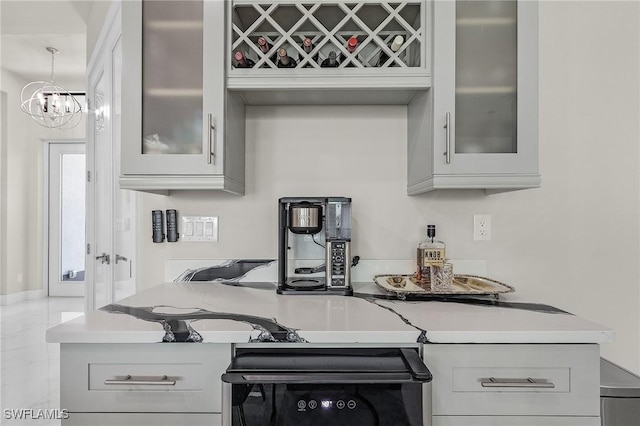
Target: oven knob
x=351 y=404
x=313 y=404
x=340 y=404
x=302 y=405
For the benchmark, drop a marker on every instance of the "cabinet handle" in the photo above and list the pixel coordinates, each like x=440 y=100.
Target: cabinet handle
x=211 y=158
x=447 y=137
x=516 y=383
x=128 y=380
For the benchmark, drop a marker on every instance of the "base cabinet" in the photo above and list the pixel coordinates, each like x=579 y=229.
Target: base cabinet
x=170 y=383
x=512 y=384
x=473 y=384
x=129 y=419
x=514 y=421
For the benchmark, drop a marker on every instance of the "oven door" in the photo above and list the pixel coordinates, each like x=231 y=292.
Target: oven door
x=371 y=386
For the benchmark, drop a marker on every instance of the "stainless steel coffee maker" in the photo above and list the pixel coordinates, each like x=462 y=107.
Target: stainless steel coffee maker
x=314 y=245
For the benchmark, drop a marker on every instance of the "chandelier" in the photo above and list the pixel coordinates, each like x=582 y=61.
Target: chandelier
x=49 y=104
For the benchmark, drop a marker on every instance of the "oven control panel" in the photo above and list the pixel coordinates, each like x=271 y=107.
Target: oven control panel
x=326 y=407
x=327 y=404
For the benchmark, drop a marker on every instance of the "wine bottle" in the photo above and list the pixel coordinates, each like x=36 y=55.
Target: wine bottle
x=265 y=47
x=331 y=61
x=241 y=61
x=307 y=46
x=284 y=60
x=351 y=46
x=394 y=46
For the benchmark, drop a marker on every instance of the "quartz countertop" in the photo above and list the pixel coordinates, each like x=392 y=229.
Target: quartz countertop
x=219 y=312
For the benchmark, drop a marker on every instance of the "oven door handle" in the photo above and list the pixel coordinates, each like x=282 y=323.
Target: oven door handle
x=255 y=377
x=417 y=367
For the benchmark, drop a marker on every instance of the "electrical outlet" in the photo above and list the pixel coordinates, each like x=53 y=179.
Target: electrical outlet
x=481 y=227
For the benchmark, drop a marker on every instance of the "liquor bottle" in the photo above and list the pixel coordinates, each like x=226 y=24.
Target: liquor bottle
x=307 y=46
x=430 y=254
x=264 y=47
x=394 y=46
x=330 y=61
x=242 y=61
x=351 y=46
x=284 y=60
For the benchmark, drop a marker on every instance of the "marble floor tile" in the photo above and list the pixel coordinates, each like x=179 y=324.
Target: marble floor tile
x=29 y=366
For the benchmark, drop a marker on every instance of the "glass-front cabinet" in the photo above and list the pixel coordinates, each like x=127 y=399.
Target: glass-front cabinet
x=181 y=129
x=482 y=125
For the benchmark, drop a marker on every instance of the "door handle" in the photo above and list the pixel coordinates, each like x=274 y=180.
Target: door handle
x=120 y=258
x=104 y=258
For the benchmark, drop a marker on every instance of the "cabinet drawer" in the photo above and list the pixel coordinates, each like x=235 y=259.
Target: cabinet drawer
x=531 y=380
x=514 y=421
x=163 y=377
x=133 y=419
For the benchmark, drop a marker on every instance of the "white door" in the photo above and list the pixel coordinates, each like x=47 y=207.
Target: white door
x=110 y=210
x=66 y=218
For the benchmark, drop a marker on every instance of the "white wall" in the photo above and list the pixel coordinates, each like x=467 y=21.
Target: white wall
x=573 y=243
x=95 y=21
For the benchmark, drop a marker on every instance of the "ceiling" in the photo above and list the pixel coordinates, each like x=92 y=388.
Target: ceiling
x=27 y=27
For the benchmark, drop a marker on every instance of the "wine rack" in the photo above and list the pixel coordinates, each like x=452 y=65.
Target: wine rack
x=372 y=69
x=285 y=24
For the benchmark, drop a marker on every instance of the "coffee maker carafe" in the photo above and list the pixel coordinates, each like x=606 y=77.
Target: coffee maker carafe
x=314 y=245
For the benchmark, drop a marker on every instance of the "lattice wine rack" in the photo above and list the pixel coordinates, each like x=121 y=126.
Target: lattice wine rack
x=330 y=25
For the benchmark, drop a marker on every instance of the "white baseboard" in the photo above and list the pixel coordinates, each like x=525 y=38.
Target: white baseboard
x=8 y=299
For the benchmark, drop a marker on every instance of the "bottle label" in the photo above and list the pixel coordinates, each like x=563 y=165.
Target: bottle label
x=432 y=257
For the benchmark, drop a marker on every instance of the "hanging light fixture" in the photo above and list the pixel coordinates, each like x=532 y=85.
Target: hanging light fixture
x=51 y=105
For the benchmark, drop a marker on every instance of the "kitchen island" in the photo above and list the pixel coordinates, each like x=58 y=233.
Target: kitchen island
x=477 y=350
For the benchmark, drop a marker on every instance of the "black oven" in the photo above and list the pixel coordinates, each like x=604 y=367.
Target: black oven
x=323 y=386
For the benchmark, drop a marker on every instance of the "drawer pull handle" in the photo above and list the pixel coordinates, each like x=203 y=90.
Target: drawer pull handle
x=516 y=383
x=128 y=380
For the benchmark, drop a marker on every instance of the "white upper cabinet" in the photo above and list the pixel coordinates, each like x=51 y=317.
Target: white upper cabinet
x=181 y=129
x=467 y=71
x=478 y=125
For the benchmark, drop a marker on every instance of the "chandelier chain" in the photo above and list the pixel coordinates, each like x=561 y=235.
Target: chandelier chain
x=53 y=58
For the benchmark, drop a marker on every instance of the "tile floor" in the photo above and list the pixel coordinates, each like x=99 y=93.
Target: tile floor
x=29 y=366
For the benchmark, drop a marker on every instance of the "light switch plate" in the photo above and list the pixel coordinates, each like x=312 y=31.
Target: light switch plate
x=199 y=229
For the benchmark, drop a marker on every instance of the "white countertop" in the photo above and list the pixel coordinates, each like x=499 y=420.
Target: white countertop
x=320 y=319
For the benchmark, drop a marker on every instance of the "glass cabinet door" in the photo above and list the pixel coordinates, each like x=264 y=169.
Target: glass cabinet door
x=172 y=77
x=486 y=119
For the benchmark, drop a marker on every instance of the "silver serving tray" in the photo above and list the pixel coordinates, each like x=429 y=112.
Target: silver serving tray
x=462 y=285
